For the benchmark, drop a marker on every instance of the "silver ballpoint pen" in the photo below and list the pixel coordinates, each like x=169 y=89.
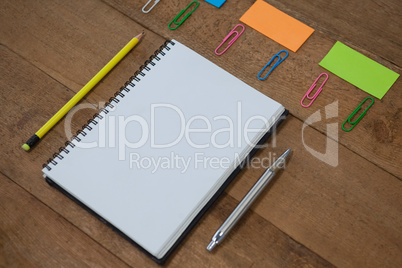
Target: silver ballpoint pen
x=248 y=200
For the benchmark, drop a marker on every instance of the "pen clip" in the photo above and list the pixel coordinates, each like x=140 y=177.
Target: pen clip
x=235 y=35
x=279 y=61
x=185 y=17
x=149 y=9
x=312 y=98
x=354 y=123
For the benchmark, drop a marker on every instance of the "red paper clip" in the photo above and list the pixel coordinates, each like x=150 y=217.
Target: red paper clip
x=311 y=89
x=237 y=35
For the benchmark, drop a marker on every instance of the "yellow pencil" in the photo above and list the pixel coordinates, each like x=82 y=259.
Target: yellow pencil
x=80 y=94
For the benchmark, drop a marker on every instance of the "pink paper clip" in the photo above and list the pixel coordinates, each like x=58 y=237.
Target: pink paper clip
x=311 y=89
x=237 y=35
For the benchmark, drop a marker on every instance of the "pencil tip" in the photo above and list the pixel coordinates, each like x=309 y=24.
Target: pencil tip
x=140 y=35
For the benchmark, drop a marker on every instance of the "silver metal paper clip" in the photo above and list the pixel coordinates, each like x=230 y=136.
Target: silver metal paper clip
x=149 y=9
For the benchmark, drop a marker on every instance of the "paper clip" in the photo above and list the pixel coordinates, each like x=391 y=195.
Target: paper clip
x=279 y=61
x=312 y=98
x=185 y=17
x=354 y=123
x=149 y=9
x=232 y=32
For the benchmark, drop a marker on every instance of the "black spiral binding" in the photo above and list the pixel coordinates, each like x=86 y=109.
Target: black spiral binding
x=136 y=77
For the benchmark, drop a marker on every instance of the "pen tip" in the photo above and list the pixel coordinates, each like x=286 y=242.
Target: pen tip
x=211 y=245
x=286 y=154
x=280 y=162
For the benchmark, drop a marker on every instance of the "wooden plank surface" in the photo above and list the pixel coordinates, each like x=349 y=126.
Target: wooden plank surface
x=32 y=235
x=314 y=215
x=26 y=172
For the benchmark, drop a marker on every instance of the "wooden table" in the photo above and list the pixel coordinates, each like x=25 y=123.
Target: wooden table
x=346 y=214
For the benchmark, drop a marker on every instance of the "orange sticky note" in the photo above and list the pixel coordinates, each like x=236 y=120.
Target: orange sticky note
x=277 y=25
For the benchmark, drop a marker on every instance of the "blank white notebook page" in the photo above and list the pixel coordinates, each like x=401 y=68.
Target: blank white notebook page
x=153 y=161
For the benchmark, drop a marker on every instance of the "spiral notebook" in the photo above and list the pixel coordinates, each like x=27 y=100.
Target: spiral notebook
x=157 y=156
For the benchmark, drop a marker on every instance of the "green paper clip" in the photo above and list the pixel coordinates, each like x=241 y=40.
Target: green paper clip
x=354 y=123
x=185 y=17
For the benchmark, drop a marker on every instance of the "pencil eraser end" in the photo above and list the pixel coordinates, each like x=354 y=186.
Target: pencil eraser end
x=26 y=147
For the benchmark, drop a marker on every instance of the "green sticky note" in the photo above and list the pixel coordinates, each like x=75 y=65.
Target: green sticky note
x=359 y=70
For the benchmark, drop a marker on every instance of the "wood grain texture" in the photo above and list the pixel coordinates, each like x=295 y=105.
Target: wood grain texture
x=314 y=215
x=41 y=237
x=71 y=41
